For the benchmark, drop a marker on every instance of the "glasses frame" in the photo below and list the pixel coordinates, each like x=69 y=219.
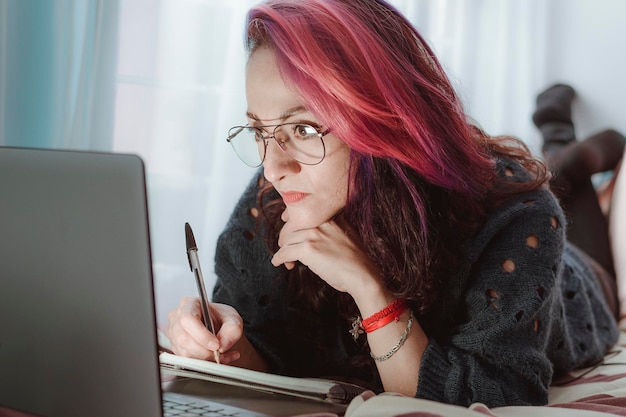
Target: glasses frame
x=267 y=136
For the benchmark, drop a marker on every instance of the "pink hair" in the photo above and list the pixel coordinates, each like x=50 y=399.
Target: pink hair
x=367 y=73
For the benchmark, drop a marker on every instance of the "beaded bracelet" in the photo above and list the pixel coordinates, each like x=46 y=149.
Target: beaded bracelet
x=398 y=345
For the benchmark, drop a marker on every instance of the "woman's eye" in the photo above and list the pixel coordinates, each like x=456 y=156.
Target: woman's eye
x=304 y=131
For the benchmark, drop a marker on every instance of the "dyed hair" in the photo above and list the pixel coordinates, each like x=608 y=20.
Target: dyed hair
x=422 y=177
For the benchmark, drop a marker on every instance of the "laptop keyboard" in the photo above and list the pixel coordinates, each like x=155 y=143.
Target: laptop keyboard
x=177 y=405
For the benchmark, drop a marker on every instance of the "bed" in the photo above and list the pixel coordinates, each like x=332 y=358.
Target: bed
x=596 y=391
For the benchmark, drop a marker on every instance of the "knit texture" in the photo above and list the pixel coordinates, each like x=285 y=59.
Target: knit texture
x=523 y=307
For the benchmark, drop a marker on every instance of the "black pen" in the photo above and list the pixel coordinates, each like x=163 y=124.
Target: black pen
x=194 y=264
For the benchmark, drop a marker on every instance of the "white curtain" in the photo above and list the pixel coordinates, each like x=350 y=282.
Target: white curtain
x=493 y=51
x=180 y=87
x=58 y=73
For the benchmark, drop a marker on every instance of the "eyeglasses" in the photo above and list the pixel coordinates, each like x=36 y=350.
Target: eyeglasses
x=301 y=141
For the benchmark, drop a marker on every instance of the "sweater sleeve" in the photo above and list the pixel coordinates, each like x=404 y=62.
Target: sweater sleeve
x=512 y=312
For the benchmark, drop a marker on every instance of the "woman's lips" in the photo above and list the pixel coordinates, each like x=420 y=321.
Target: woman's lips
x=293 y=197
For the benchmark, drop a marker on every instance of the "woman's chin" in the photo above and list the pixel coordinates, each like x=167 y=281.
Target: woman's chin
x=306 y=220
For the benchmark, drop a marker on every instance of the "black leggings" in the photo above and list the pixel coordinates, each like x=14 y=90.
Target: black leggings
x=572 y=164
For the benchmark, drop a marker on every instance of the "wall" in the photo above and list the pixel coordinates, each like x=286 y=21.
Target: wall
x=587 y=50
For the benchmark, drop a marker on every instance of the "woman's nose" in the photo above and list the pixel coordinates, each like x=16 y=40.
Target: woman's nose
x=277 y=164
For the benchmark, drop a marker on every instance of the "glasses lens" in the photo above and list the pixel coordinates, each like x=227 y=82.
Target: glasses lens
x=301 y=142
x=247 y=143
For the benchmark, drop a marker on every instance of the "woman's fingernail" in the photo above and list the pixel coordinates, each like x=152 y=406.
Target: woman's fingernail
x=213 y=346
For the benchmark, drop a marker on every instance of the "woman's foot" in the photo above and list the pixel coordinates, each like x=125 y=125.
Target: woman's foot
x=553 y=116
x=554 y=104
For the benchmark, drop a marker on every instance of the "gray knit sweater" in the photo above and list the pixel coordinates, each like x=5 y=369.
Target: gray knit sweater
x=523 y=307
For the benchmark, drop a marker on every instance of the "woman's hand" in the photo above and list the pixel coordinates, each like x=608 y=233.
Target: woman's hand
x=190 y=337
x=331 y=250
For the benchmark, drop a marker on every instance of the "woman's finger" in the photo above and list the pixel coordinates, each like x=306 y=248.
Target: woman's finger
x=187 y=333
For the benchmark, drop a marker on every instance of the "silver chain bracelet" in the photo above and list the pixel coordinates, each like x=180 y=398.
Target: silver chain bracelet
x=398 y=345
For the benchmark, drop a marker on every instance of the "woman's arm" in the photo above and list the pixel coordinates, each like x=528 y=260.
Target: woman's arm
x=334 y=253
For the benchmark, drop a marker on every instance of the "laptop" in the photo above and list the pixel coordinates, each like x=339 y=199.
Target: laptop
x=77 y=313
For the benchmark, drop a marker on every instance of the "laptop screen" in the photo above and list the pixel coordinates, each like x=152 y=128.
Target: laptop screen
x=77 y=319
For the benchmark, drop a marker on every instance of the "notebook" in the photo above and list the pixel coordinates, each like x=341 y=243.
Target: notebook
x=77 y=315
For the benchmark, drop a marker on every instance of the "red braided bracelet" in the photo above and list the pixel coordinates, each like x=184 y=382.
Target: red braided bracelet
x=384 y=321
x=385 y=316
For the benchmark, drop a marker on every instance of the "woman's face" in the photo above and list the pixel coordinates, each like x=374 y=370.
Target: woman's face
x=313 y=194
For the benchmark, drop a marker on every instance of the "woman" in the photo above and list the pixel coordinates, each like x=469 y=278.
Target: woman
x=408 y=250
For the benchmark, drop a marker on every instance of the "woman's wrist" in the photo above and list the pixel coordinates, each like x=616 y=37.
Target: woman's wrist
x=372 y=298
x=249 y=356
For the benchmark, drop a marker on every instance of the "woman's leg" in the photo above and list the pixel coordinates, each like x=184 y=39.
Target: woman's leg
x=573 y=168
x=572 y=164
